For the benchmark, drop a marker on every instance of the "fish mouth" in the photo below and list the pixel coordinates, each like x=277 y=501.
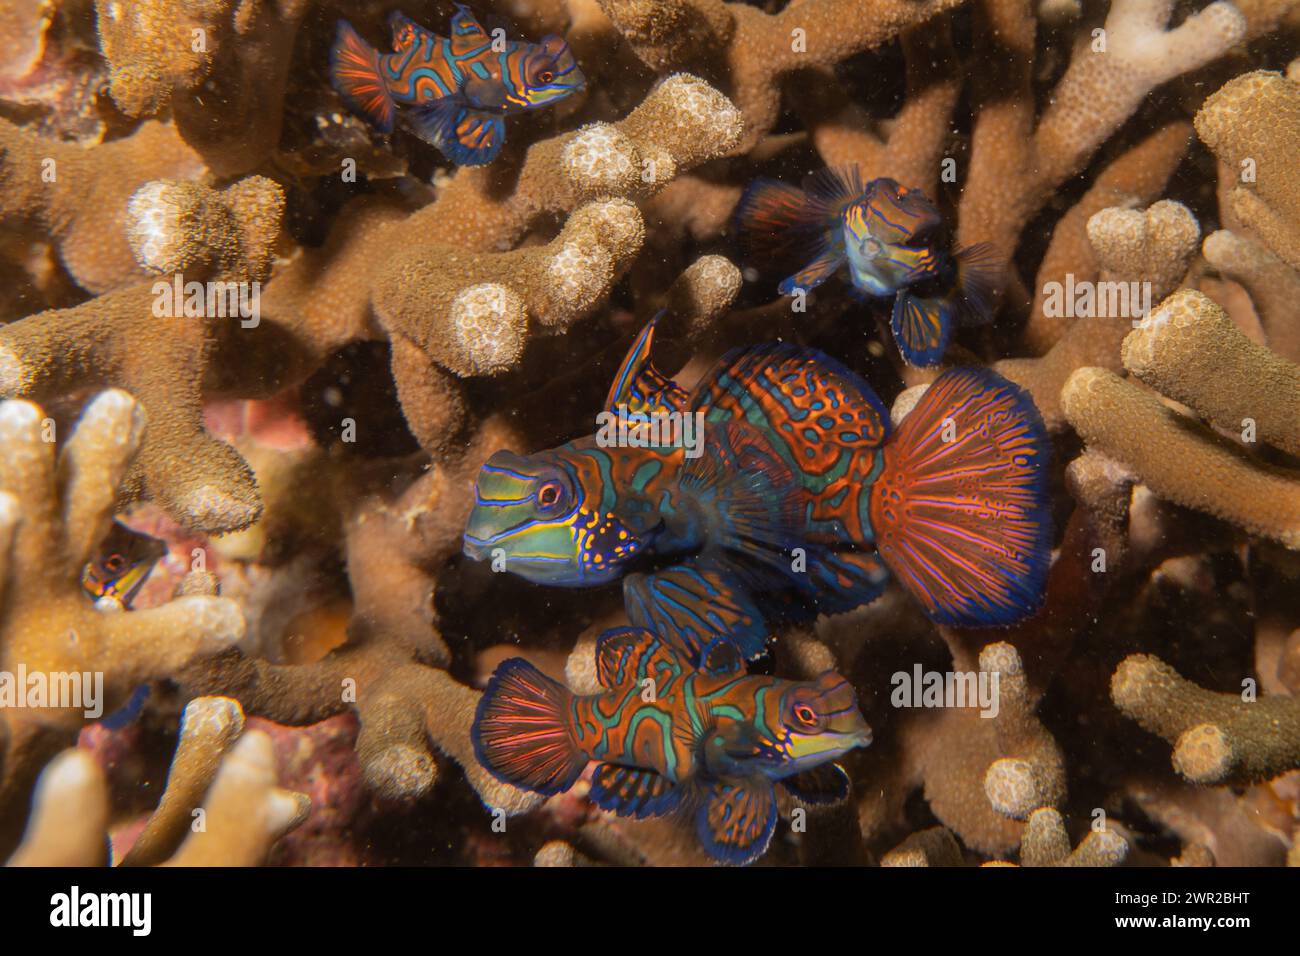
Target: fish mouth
x=475 y=548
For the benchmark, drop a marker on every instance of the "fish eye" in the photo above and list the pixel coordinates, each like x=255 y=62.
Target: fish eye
x=545 y=76
x=805 y=715
x=550 y=495
x=114 y=563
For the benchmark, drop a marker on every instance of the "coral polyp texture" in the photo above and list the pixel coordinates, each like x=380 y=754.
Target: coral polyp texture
x=257 y=323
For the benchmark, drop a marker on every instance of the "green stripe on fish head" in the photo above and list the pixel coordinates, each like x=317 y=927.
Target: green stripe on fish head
x=543 y=517
x=820 y=721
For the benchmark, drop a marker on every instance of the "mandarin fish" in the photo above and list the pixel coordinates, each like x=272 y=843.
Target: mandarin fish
x=706 y=742
x=123 y=564
x=889 y=236
x=456 y=91
x=803 y=498
x=118 y=572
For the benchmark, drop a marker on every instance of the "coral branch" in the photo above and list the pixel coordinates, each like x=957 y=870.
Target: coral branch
x=49 y=625
x=1273 y=285
x=1253 y=125
x=208 y=727
x=78 y=196
x=1217 y=738
x=1190 y=351
x=1179 y=460
x=1046 y=843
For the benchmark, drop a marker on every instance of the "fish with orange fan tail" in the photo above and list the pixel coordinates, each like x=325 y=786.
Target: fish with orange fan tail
x=803 y=500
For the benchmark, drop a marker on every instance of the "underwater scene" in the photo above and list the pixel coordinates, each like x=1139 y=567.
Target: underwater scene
x=673 y=433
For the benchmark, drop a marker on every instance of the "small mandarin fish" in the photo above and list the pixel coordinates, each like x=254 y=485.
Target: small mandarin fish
x=455 y=91
x=123 y=564
x=890 y=238
x=706 y=742
x=117 y=574
x=801 y=501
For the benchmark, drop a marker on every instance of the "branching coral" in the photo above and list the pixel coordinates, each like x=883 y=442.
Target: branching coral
x=1016 y=161
x=501 y=299
x=384 y=671
x=750 y=51
x=1253 y=125
x=1046 y=843
x=198 y=231
x=77 y=197
x=222 y=807
x=1273 y=285
x=50 y=520
x=1178 y=460
x=470 y=312
x=221 y=65
x=1131 y=248
x=1217 y=738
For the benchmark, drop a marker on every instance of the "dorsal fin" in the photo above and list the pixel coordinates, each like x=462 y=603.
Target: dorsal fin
x=779 y=384
x=399 y=22
x=627 y=655
x=639 y=386
x=467 y=35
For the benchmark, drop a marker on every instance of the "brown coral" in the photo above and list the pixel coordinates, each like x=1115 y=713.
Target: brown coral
x=1177 y=459
x=50 y=520
x=224 y=810
x=1217 y=737
x=1253 y=125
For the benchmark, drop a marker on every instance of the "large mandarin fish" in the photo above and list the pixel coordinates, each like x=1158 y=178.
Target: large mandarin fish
x=891 y=239
x=707 y=741
x=116 y=574
x=804 y=497
x=456 y=91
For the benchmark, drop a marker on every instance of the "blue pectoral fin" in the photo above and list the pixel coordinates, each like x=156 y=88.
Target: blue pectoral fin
x=129 y=711
x=692 y=604
x=466 y=136
x=816 y=272
x=922 y=328
x=737 y=818
x=633 y=792
x=821 y=786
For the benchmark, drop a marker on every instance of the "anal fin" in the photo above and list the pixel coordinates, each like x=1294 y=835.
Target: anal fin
x=633 y=791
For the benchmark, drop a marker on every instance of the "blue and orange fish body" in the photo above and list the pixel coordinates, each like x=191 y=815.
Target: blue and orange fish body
x=707 y=741
x=803 y=500
x=117 y=573
x=122 y=565
x=455 y=90
x=890 y=239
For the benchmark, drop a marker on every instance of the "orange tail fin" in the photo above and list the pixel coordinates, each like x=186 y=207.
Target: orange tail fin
x=961 y=512
x=521 y=730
